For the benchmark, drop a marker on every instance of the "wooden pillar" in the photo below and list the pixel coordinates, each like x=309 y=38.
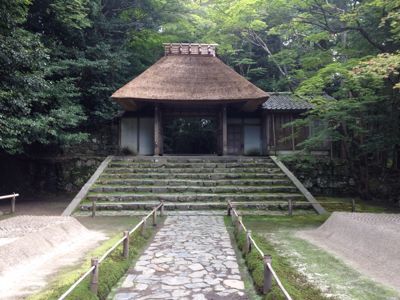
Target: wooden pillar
x=292 y=133
x=264 y=134
x=268 y=133
x=274 y=132
x=224 y=131
x=158 y=142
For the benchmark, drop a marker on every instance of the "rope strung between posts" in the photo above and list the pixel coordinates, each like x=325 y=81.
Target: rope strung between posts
x=93 y=268
x=231 y=209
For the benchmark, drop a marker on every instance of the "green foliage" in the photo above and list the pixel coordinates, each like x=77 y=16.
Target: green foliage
x=61 y=61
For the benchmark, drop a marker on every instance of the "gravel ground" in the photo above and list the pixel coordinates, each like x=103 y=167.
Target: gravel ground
x=32 y=248
x=368 y=242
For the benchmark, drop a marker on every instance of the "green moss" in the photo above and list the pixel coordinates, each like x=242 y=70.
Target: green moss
x=288 y=252
x=344 y=204
x=241 y=240
x=111 y=270
x=295 y=283
x=253 y=259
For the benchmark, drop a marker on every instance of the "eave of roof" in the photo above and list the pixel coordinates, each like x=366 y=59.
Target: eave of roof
x=286 y=101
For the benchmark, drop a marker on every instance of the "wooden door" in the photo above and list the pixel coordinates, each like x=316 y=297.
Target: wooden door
x=235 y=139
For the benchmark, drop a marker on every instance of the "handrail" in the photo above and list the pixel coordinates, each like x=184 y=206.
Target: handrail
x=316 y=205
x=9 y=196
x=109 y=251
x=231 y=208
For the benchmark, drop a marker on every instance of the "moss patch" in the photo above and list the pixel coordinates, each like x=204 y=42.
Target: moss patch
x=306 y=271
x=110 y=270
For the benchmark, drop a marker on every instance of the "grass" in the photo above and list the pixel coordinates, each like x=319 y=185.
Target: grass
x=110 y=271
x=307 y=271
x=344 y=204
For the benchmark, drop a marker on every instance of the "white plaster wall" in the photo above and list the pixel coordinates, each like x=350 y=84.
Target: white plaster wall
x=129 y=134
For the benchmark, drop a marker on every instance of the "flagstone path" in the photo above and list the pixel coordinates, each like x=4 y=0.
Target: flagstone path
x=191 y=257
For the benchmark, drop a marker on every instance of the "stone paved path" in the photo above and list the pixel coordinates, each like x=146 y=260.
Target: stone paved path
x=191 y=257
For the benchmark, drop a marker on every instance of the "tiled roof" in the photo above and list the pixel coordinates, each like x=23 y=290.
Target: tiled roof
x=286 y=101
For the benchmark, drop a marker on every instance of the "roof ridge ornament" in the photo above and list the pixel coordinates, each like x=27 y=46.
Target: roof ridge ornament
x=190 y=49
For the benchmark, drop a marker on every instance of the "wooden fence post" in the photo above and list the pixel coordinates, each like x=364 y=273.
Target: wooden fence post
x=13 y=204
x=247 y=245
x=267 y=274
x=143 y=229
x=125 y=251
x=229 y=213
x=93 y=208
x=154 y=218
x=290 y=207
x=353 y=205
x=94 y=280
x=162 y=208
x=238 y=225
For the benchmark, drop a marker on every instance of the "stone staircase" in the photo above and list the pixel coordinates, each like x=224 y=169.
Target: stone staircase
x=191 y=183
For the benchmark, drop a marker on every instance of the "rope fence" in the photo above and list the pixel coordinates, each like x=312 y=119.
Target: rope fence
x=13 y=197
x=93 y=271
x=249 y=245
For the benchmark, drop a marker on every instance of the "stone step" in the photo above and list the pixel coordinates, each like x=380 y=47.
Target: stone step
x=190 y=170
x=192 y=197
x=191 y=159
x=194 y=189
x=268 y=205
x=189 y=182
x=211 y=176
x=206 y=165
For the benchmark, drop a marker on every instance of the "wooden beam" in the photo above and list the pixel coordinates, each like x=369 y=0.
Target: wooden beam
x=310 y=198
x=157 y=135
x=273 y=131
x=224 y=131
x=292 y=131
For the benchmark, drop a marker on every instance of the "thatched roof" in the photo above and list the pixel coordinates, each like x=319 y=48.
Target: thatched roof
x=189 y=78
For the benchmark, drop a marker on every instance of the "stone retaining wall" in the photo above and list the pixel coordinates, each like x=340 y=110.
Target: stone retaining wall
x=322 y=176
x=63 y=171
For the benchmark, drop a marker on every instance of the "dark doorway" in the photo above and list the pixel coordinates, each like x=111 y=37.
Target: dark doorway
x=190 y=135
x=235 y=139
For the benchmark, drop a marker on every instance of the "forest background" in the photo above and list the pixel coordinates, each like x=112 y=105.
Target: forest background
x=61 y=60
